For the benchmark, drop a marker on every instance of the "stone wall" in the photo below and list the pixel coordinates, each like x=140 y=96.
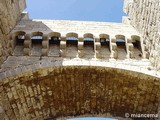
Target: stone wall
x=78 y=90
x=10 y=12
x=49 y=90
x=145 y=17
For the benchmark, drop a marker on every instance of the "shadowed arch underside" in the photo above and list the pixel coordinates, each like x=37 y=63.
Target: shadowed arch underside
x=78 y=90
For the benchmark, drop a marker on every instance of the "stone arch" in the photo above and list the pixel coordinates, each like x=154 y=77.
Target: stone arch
x=72 y=44
x=72 y=37
x=54 y=43
x=18 y=33
x=137 y=46
x=72 y=34
x=56 y=34
x=36 y=42
x=14 y=38
x=63 y=91
x=36 y=34
x=121 y=46
x=104 y=36
x=88 y=35
x=135 y=37
x=120 y=36
x=105 y=45
x=89 y=43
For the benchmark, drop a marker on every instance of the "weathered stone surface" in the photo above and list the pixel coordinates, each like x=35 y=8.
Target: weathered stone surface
x=145 y=17
x=74 y=91
x=59 y=80
x=8 y=20
x=63 y=30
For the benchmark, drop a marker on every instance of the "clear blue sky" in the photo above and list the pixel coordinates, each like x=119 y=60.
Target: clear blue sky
x=86 y=10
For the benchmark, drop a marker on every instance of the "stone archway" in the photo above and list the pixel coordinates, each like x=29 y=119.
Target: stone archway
x=78 y=90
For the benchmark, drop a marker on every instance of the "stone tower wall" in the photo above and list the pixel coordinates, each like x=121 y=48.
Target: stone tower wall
x=145 y=17
x=10 y=13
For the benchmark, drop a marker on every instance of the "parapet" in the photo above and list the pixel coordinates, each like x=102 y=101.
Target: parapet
x=80 y=34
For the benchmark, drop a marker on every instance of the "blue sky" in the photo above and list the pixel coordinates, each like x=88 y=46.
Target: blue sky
x=86 y=10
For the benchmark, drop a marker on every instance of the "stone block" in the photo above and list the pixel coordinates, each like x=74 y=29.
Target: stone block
x=27 y=44
x=80 y=53
x=130 y=47
x=97 y=54
x=44 y=52
x=27 y=51
x=62 y=52
x=45 y=44
x=114 y=54
x=80 y=45
x=63 y=45
x=113 y=46
x=97 y=45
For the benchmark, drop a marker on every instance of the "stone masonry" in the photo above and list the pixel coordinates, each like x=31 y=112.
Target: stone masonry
x=145 y=17
x=59 y=69
x=10 y=14
x=56 y=92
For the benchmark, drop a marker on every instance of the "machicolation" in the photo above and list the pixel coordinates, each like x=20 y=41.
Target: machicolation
x=59 y=69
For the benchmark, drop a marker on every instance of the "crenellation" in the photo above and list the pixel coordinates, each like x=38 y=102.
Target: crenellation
x=45 y=45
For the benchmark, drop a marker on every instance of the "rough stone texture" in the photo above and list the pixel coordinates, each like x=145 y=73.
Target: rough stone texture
x=8 y=20
x=145 y=17
x=77 y=90
x=30 y=88
x=58 y=81
x=17 y=65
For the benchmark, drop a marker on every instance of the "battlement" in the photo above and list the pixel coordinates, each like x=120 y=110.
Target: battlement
x=76 y=39
x=38 y=41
